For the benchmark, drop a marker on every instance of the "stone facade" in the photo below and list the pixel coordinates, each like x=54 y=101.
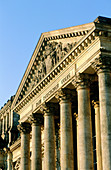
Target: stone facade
x=60 y=116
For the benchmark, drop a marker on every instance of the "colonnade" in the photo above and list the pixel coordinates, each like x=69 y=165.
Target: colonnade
x=84 y=128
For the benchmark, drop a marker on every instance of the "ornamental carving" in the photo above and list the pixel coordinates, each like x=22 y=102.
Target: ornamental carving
x=48 y=108
x=102 y=63
x=24 y=127
x=65 y=94
x=36 y=119
x=82 y=80
x=52 y=54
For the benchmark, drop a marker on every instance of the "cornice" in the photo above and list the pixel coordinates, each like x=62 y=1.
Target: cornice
x=68 y=32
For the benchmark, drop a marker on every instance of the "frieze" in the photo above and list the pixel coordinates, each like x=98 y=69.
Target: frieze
x=38 y=103
x=50 y=92
x=65 y=78
x=55 y=88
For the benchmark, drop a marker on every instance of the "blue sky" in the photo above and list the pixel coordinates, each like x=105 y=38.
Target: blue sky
x=23 y=21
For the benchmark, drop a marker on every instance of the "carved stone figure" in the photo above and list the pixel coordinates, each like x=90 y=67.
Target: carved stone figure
x=59 y=53
x=52 y=54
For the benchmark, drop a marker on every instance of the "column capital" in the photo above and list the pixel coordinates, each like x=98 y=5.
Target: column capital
x=64 y=94
x=24 y=127
x=48 y=108
x=36 y=119
x=102 y=64
x=82 y=80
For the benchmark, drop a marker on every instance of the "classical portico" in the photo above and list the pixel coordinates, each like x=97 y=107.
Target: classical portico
x=68 y=70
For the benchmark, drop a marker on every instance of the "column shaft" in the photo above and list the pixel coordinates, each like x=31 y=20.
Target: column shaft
x=85 y=149
x=36 y=147
x=25 y=151
x=25 y=128
x=98 y=137
x=105 y=117
x=67 y=159
x=49 y=141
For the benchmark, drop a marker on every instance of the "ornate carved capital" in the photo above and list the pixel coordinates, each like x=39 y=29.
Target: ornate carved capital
x=36 y=119
x=48 y=108
x=82 y=80
x=102 y=64
x=24 y=127
x=64 y=94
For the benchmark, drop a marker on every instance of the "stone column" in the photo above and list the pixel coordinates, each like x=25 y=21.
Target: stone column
x=103 y=67
x=36 y=120
x=85 y=147
x=57 y=134
x=98 y=136
x=25 y=128
x=9 y=160
x=66 y=143
x=49 y=137
x=76 y=118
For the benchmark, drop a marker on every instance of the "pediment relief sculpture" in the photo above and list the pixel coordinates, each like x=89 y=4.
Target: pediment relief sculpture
x=52 y=54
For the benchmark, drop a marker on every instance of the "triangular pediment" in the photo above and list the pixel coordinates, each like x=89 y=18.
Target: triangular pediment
x=51 y=48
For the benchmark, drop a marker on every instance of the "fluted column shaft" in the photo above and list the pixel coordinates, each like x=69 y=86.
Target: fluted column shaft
x=85 y=149
x=24 y=128
x=103 y=67
x=98 y=136
x=66 y=142
x=49 y=138
x=84 y=130
x=36 y=141
x=105 y=116
x=67 y=160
